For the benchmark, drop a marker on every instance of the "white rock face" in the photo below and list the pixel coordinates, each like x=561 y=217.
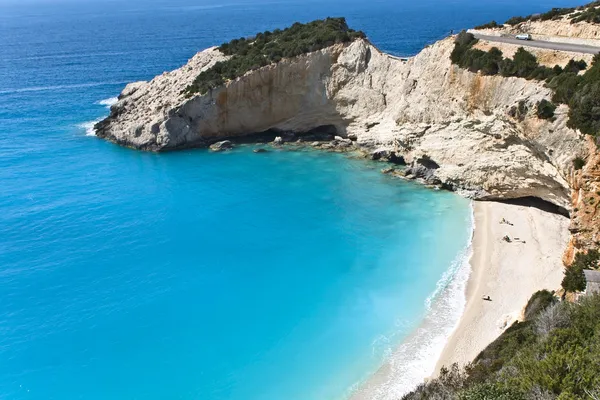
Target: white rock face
x=421 y=107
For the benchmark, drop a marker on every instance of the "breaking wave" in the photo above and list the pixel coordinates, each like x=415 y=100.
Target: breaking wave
x=415 y=359
x=108 y=102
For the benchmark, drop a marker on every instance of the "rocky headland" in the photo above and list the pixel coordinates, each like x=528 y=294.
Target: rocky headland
x=481 y=134
x=450 y=125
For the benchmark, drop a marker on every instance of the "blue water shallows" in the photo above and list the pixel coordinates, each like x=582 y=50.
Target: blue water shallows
x=214 y=276
x=191 y=275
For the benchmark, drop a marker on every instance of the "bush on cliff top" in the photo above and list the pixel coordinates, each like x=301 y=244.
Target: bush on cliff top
x=553 y=354
x=489 y=25
x=265 y=48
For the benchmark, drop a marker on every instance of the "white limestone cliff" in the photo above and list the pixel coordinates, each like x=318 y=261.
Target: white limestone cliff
x=422 y=109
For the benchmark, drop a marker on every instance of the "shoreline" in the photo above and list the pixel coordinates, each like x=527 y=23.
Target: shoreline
x=508 y=272
x=414 y=358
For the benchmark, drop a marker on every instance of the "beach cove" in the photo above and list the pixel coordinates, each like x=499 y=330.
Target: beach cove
x=238 y=275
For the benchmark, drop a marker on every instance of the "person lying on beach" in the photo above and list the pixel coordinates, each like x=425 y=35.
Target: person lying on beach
x=487 y=298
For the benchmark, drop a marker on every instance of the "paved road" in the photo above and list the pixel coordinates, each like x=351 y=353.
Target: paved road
x=577 y=48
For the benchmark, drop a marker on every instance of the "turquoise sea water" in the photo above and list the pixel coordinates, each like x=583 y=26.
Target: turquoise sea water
x=190 y=275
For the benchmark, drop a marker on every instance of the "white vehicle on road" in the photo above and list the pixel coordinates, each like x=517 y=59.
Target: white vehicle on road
x=523 y=36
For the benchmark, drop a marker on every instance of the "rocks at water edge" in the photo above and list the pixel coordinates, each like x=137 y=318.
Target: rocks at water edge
x=221 y=146
x=356 y=97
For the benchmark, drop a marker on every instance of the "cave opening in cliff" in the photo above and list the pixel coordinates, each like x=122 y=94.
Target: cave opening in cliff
x=536 y=202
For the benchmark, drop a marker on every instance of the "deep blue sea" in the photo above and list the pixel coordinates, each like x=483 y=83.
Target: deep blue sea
x=190 y=275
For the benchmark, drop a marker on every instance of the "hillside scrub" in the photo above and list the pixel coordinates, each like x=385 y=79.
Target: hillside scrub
x=574 y=280
x=265 y=48
x=580 y=92
x=588 y=13
x=489 y=25
x=553 y=354
x=545 y=109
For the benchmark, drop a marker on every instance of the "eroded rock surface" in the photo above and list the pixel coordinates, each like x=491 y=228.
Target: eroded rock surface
x=421 y=108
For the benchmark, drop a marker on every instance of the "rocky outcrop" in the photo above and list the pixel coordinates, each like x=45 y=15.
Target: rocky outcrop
x=423 y=108
x=585 y=216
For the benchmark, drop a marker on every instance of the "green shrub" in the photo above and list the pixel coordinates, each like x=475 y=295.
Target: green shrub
x=525 y=63
x=588 y=260
x=574 y=280
x=555 y=12
x=578 y=163
x=490 y=391
x=545 y=109
x=515 y=20
x=489 y=25
x=584 y=107
x=562 y=363
x=589 y=14
x=564 y=86
x=537 y=303
x=575 y=66
x=249 y=54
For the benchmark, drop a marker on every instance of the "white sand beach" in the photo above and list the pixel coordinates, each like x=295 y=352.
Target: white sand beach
x=507 y=272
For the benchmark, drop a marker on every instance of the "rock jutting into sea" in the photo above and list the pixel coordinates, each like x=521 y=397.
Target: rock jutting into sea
x=451 y=127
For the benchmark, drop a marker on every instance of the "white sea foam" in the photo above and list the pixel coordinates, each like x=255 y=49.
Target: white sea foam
x=108 y=102
x=415 y=359
x=89 y=127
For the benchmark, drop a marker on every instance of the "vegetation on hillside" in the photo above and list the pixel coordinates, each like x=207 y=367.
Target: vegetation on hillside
x=589 y=13
x=574 y=280
x=545 y=109
x=581 y=92
x=554 y=354
x=265 y=48
x=489 y=25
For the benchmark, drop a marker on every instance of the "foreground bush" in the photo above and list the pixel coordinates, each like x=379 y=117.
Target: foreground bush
x=553 y=354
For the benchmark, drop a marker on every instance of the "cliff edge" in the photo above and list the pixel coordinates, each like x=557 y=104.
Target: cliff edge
x=455 y=124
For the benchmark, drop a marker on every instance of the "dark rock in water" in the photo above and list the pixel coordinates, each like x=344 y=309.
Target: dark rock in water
x=389 y=156
x=427 y=162
x=288 y=137
x=220 y=146
x=379 y=154
x=396 y=159
x=260 y=151
x=317 y=137
x=424 y=168
x=341 y=142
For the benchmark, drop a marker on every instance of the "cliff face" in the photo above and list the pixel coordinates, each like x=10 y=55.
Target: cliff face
x=456 y=124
